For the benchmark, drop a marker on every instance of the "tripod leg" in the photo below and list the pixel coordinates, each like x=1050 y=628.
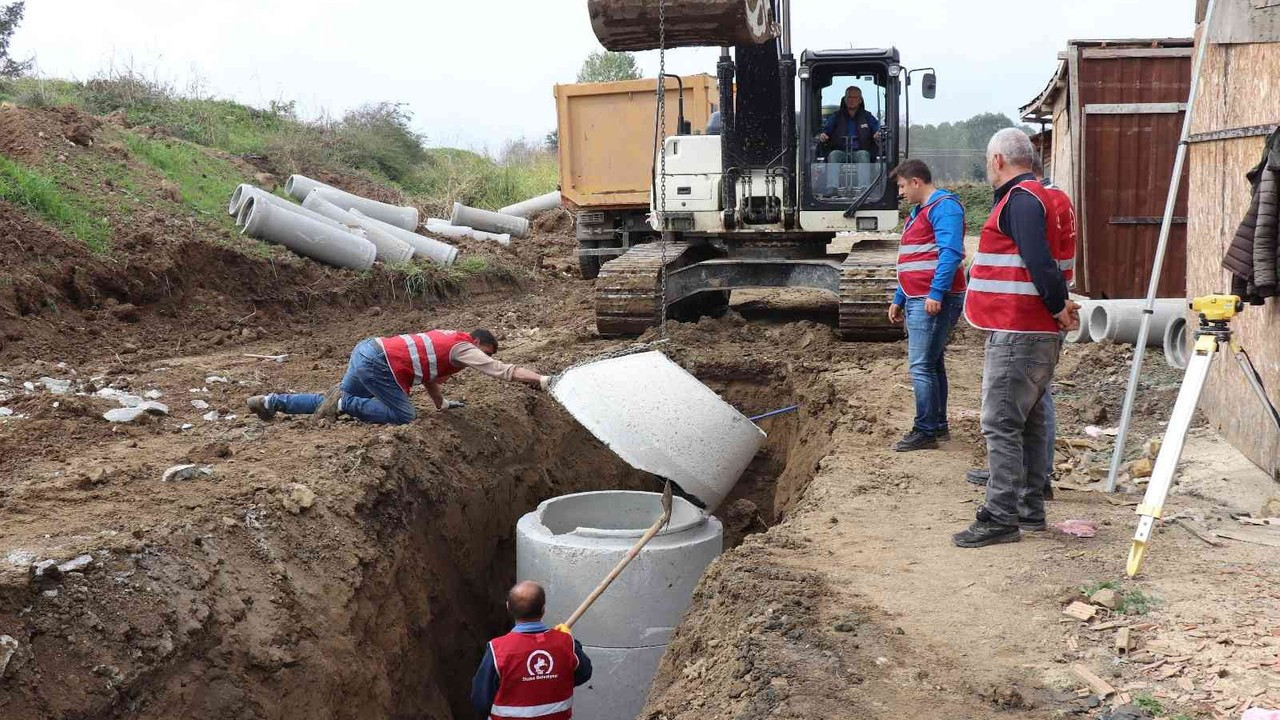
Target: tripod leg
x=1255 y=381
x=1175 y=437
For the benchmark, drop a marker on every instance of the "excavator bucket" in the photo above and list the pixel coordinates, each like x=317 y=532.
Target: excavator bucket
x=634 y=24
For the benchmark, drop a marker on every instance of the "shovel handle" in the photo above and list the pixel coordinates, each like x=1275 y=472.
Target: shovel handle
x=649 y=534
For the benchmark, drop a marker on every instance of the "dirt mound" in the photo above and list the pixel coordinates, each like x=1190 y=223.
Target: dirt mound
x=28 y=134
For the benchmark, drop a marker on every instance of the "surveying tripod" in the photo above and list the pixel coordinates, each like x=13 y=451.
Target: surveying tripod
x=1213 y=335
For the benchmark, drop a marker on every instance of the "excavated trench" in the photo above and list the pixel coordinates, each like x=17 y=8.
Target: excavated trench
x=440 y=595
x=376 y=603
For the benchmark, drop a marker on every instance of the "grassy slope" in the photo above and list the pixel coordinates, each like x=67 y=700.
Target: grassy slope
x=436 y=178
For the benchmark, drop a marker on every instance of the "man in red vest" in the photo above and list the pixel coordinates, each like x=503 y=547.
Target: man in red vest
x=930 y=296
x=1018 y=293
x=531 y=671
x=383 y=370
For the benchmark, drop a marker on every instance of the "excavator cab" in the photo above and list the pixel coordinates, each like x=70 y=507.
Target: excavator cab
x=847 y=151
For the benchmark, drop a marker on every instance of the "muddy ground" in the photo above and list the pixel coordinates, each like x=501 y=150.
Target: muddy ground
x=349 y=571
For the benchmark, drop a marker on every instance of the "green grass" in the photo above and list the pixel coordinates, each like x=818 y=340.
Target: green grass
x=43 y=196
x=1132 y=602
x=204 y=180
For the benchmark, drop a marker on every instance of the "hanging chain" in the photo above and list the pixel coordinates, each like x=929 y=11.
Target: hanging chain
x=662 y=161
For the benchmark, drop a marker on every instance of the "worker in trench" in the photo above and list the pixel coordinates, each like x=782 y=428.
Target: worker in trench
x=531 y=671
x=930 y=296
x=1017 y=292
x=383 y=370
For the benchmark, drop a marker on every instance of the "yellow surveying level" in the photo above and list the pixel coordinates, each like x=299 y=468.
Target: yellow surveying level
x=1213 y=334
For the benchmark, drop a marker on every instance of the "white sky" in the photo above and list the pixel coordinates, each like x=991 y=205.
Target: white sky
x=478 y=72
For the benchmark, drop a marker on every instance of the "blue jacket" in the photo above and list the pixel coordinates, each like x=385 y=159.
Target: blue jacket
x=484 y=686
x=947 y=219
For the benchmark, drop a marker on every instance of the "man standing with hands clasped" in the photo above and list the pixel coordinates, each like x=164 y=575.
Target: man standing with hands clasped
x=1018 y=294
x=930 y=296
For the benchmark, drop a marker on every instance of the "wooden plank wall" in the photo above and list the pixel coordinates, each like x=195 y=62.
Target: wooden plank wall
x=1240 y=87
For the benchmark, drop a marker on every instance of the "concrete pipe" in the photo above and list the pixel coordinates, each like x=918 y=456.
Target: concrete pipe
x=489 y=221
x=620 y=682
x=305 y=236
x=457 y=232
x=533 y=206
x=569 y=543
x=1119 y=321
x=250 y=191
x=391 y=249
x=403 y=217
x=1175 y=343
x=662 y=420
x=1082 y=334
x=424 y=247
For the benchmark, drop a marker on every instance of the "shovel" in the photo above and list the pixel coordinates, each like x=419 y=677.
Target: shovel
x=649 y=534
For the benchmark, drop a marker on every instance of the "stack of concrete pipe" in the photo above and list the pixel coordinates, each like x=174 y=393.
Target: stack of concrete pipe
x=1120 y=320
x=387 y=228
x=569 y=543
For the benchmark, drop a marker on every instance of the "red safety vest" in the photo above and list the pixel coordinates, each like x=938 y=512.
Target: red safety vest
x=918 y=254
x=422 y=357
x=535 y=675
x=1001 y=296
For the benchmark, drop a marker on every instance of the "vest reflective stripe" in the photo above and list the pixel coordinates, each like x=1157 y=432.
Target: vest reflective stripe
x=1001 y=295
x=431 y=355
x=916 y=249
x=531 y=711
x=995 y=260
x=919 y=256
x=1012 y=287
x=921 y=265
x=413 y=357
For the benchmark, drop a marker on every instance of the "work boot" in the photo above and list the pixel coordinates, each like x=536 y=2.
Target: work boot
x=984 y=532
x=258 y=406
x=978 y=477
x=328 y=409
x=943 y=436
x=1048 y=492
x=916 y=440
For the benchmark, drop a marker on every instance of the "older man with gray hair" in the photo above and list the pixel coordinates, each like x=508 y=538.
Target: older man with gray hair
x=1018 y=293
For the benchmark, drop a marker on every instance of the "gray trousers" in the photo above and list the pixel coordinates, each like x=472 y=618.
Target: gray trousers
x=1016 y=373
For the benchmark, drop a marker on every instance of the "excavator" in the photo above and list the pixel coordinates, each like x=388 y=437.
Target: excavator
x=756 y=204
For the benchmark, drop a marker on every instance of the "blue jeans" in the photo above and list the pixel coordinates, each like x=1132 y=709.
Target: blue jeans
x=370 y=392
x=927 y=337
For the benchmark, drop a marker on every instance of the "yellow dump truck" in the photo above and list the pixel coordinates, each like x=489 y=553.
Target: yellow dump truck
x=607 y=140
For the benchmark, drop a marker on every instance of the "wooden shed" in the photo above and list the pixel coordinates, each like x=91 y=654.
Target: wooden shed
x=1239 y=105
x=1116 y=109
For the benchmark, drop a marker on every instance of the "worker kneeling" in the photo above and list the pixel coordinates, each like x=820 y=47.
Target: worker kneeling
x=531 y=671
x=383 y=370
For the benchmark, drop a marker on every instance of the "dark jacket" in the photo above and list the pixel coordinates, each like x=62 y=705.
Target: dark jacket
x=861 y=130
x=1252 y=255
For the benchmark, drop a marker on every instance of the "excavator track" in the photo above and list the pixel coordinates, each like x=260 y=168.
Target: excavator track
x=868 y=279
x=628 y=287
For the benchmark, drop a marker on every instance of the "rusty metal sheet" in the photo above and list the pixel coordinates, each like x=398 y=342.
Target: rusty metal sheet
x=1127 y=165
